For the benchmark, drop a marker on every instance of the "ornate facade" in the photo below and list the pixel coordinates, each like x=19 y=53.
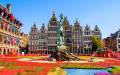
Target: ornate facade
x=9 y=31
x=77 y=39
x=67 y=30
x=42 y=40
x=33 y=39
x=38 y=40
x=52 y=34
x=88 y=33
x=24 y=43
x=113 y=41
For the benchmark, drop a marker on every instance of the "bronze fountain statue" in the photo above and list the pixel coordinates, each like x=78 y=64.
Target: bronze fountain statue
x=62 y=52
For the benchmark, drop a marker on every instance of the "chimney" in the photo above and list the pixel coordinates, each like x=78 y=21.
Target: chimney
x=9 y=7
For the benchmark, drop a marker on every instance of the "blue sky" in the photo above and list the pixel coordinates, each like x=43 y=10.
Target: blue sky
x=104 y=13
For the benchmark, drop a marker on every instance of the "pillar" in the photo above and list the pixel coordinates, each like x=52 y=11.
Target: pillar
x=44 y=53
x=2 y=51
x=18 y=51
x=83 y=50
x=6 y=50
x=30 y=52
x=47 y=52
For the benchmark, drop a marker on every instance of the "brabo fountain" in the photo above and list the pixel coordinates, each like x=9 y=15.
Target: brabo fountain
x=62 y=52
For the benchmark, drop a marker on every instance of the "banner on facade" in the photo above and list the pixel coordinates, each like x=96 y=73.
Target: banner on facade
x=77 y=46
x=87 y=46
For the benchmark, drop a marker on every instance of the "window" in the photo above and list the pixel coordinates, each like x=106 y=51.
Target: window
x=75 y=34
x=119 y=46
x=118 y=40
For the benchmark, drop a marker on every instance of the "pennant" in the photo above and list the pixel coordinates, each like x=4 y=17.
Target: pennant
x=8 y=27
x=14 y=41
x=12 y=17
x=17 y=41
x=2 y=13
x=8 y=38
x=18 y=29
x=14 y=29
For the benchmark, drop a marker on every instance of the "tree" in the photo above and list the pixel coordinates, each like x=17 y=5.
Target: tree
x=96 y=43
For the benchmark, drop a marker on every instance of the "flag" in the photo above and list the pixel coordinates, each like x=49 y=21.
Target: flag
x=0 y=19
x=18 y=29
x=12 y=17
x=8 y=27
x=14 y=29
x=2 y=13
x=11 y=40
x=18 y=22
x=4 y=38
x=14 y=41
x=8 y=38
x=15 y=21
x=4 y=25
x=21 y=24
x=6 y=14
x=17 y=41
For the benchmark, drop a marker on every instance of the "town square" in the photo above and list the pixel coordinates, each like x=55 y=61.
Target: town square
x=57 y=37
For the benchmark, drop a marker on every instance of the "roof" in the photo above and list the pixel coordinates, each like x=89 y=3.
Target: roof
x=4 y=8
x=114 y=34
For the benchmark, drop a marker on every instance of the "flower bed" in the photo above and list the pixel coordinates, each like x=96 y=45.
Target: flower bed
x=14 y=66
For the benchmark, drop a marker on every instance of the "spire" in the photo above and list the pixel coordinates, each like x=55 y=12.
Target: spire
x=87 y=27
x=43 y=26
x=34 y=24
x=53 y=13
x=96 y=28
x=76 y=20
x=43 y=23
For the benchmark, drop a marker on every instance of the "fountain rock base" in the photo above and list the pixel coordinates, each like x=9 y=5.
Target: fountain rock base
x=63 y=55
